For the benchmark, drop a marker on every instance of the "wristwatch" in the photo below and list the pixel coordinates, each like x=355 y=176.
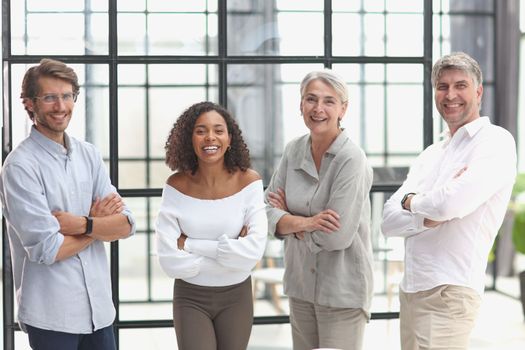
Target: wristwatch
x=405 y=197
x=89 y=225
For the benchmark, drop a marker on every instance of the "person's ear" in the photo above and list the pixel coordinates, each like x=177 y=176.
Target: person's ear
x=28 y=104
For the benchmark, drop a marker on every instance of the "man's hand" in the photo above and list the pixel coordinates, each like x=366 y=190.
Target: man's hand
x=461 y=171
x=111 y=204
x=243 y=233
x=431 y=223
x=181 y=241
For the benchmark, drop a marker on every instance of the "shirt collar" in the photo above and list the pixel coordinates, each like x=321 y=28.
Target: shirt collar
x=54 y=149
x=305 y=161
x=469 y=129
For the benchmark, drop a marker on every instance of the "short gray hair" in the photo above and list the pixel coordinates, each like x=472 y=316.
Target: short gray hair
x=328 y=77
x=460 y=61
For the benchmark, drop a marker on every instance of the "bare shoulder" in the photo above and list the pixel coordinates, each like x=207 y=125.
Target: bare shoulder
x=178 y=181
x=247 y=177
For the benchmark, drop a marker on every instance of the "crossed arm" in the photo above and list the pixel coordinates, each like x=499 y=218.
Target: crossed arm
x=326 y=221
x=108 y=224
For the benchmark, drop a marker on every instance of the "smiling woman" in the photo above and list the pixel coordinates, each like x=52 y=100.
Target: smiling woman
x=211 y=229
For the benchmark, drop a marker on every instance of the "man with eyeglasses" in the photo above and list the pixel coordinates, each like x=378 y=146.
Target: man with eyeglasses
x=60 y=207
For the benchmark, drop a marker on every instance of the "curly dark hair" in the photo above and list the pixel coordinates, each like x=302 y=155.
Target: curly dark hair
x=180 y=154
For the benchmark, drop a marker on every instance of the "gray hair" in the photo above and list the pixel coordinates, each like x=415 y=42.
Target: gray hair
x=460 y=61
x=328 y=77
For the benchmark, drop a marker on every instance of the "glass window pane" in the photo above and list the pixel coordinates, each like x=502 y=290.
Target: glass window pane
x=55 y=5
x=179 y=34
x=167 y=34
x=182 y=74
x=471 y=6
x=263 y=30
x=405 y=118
x=407 y=6
x=178 y=6
x=159 y=171
x=476 y=39
x=404 y=73
x=303 y=5
x=345 y=5
x=373 y=114
x=41 y=36
x=347 y=29
x=131 y=5
x=374 y=34
x=131 y=74
x=80 y=32
x=374 y=5
x=404 y=35
x=132 y=122
x=133 y=266
x=132 y=173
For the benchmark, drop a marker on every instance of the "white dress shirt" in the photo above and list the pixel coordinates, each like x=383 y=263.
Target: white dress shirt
x=471 y=205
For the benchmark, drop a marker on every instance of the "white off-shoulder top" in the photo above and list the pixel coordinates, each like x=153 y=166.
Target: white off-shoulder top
x=213 y=253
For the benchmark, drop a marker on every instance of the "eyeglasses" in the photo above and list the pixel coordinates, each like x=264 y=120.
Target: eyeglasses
x=53 y=98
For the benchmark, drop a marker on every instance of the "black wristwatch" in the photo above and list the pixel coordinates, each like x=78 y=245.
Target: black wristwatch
x=89 y=225
x=405 y=197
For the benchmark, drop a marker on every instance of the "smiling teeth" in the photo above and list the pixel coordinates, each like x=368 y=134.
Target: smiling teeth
x=211 y=148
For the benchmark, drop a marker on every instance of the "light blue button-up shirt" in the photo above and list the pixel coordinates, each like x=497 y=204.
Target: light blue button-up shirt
x=38 y=177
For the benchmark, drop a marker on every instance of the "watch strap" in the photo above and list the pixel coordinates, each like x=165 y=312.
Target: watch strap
x=89 y=225
x=405 y=197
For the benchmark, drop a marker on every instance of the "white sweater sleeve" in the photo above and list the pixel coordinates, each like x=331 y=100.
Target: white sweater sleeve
x=175 y=262
x=244 y=252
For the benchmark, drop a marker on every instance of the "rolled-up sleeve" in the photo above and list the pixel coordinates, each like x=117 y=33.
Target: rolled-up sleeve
x=28 y=213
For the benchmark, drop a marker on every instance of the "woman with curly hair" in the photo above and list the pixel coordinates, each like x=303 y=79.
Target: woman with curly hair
x=211 y=229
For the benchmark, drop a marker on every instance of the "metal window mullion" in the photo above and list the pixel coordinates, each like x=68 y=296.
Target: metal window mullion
x=8 y=298
x=328 y=33
x=113 y=149
x=223 y=52
x=428 y=126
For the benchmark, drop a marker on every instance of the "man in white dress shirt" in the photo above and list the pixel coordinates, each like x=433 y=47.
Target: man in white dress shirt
x=449 y=210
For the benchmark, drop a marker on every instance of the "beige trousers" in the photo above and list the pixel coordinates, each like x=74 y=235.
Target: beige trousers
x=440 y=318
x=316 y=326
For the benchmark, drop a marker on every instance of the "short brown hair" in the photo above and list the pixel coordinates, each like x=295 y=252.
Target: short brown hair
x=180 y=154
x=46 y=68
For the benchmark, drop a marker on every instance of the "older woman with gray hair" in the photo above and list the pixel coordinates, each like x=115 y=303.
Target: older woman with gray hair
x=318 y=202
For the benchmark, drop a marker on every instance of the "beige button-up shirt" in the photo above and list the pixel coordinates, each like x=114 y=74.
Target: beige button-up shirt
x=332 y=269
